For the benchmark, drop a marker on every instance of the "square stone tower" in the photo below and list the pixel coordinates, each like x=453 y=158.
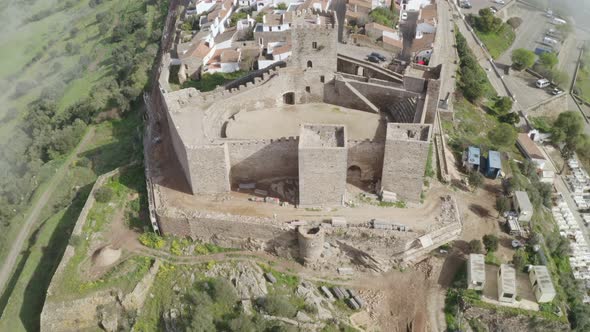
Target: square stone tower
x=323 y=155
x=404 y=161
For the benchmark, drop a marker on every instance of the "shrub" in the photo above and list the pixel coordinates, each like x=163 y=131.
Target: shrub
x=152 y=240
x=503 y=135
x=223 y=292
x=475 y=246
x=103 y=194
x=475 y=179
x=514 y=22
x=278 y=305
x=75 y=240
x=242 y=323
x=490 y=241
x=383 y=16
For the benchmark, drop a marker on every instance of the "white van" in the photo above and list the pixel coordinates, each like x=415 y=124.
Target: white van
x=542 y=83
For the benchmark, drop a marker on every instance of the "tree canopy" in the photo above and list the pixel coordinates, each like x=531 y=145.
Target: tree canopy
x=548 y=60
x=486 y=21
x=523 y=58
x=503 y=135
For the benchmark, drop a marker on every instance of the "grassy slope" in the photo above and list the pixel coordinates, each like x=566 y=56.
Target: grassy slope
x=115 y=143
x=47 y=38
x=497 y=43
x=471 y=127
x=583 y=81
x=52 y=32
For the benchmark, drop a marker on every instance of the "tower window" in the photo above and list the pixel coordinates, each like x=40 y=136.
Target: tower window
x=314 y=45
x=307 y=89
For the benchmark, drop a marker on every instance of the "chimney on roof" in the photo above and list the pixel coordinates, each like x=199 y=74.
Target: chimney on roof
x=264 y=19
x=318 y=19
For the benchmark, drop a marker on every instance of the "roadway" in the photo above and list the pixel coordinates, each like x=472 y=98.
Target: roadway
x=444 y=52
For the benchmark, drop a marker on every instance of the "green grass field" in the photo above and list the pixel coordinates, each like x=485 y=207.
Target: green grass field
x=497 y=42
x=582 y=86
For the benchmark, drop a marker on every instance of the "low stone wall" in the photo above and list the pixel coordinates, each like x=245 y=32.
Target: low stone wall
x=550 y=107
x=81 y=313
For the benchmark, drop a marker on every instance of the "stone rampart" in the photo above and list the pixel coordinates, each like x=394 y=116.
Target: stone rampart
x=368 y=156
x=404 y=161
x=254 y=160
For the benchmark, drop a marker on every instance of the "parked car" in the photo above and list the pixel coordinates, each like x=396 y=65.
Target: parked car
x=404 y=16
x=556 y=91
x=373 y=59
x=500 y=2
x=465 y=4
x=378 y=56
x=542 y=83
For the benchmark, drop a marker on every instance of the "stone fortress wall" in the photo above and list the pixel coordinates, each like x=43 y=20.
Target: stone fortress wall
x=213 y=163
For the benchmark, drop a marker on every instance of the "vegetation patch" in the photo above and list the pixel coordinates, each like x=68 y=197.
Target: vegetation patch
x=209 y=82
x=496 y=35
x=472 y=79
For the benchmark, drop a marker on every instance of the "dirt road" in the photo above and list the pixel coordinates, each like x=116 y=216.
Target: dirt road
x=35 y=211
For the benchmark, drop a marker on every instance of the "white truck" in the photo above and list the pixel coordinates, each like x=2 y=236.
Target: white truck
x=558 y=21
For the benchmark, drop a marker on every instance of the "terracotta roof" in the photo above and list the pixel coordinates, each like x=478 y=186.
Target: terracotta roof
x=423 y=43
x=377 y=26
x=226 y=35
x=351 y=14
x=529 y=147
x=229 y=55
x=361 y=3
x=201 y=50
x=394 y=42
x=428 y=12
x=282 y=49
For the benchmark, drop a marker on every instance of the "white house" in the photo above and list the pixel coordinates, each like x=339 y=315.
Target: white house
x=542 y=284
x=246 y=23
x=530 y=150
x=276 y=52
x=224 y=61
x=506 y=283
x=476 y=272
x=523 y=206
x=201 y=7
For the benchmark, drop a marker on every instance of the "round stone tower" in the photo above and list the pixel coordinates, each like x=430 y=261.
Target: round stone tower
x=311 y=243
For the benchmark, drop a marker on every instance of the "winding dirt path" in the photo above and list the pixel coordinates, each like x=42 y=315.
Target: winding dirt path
x=34 y=212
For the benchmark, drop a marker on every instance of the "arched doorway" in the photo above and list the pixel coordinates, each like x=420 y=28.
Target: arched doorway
x=289 y=98
x=309 y=64
x=360 y=71
x=354 y=175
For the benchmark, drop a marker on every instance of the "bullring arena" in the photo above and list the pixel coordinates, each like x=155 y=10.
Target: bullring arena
x=310 y=144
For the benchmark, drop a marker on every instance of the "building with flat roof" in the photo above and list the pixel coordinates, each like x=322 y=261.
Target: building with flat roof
x=530 y=150
x=506 y=284
x=471 y=158
x=476 y=272
x=542 y=283
x=523 y=206
x=494 y=164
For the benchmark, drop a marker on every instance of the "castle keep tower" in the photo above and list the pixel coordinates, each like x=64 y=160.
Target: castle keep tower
x=323 y=155
x=404 y=162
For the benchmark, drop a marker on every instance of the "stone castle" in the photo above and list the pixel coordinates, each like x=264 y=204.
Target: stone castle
x=320 y=152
